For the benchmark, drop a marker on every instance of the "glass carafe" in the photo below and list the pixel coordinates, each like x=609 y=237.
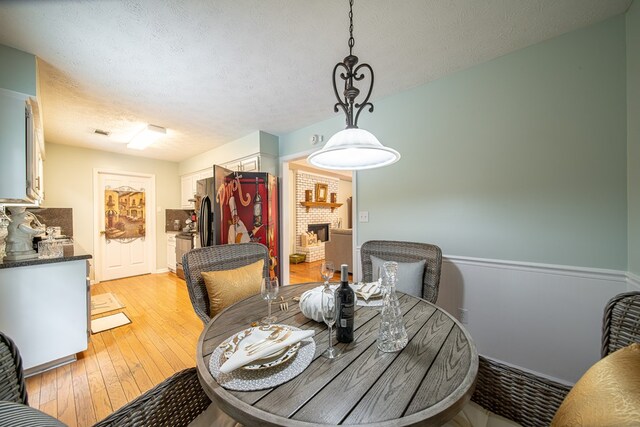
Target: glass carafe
x=392 y=335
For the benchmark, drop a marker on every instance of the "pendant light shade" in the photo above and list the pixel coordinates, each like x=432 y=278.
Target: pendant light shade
x=353 y=149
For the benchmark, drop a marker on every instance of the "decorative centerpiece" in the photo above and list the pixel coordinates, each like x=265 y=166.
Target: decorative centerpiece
x=311 y=304
x=308 y=238
x=20 y=235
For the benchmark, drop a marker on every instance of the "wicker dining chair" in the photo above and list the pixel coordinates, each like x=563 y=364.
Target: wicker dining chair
x=175 y=402
x=621 y=322
x=217 y=258
x=12 y=385
x=390 y=250
x=531 y=400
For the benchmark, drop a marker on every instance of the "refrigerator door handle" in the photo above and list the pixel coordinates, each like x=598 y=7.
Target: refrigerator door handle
x=204 y=225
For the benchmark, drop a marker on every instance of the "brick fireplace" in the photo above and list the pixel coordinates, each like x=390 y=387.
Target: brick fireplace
x=316 y=215
x=321 y=230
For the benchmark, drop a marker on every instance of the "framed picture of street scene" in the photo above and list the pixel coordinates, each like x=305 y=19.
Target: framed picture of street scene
x=124 y=211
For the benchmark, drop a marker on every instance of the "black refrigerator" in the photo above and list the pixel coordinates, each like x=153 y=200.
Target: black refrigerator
x=238 y=207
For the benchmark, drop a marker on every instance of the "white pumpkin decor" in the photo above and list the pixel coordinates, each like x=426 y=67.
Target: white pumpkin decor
x=311 y=304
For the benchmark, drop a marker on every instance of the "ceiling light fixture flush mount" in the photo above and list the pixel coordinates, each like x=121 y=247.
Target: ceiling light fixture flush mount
x=352 y=148
x=146 y=137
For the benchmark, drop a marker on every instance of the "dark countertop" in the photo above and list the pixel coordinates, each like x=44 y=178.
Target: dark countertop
x=71 y=253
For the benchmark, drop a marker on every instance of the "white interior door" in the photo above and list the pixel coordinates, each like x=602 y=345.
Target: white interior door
x=125 y=213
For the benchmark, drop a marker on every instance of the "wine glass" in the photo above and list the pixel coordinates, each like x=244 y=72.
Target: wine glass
x=269 y=291
x=327 y=271
x=329 y=316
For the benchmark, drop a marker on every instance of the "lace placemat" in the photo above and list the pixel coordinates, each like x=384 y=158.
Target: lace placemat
x=251 y=380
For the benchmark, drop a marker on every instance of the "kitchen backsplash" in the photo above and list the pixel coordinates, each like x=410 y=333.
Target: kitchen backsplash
x=180 y=215
x=55 y=217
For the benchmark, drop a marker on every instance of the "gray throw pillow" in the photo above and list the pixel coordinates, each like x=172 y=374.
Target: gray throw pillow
x=409 y=275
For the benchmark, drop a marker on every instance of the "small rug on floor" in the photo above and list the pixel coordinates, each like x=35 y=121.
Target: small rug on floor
x=104 y=302
x=109 y=322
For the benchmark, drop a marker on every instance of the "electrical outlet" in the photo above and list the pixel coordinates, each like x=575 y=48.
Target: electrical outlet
x=316 y=138
x=463 y=315
x=363 y=216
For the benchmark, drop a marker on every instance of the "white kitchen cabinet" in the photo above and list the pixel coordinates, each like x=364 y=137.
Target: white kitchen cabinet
x=171 y=252
x=22 y=150
x=21 y=137
x=44 y=308
x=252 y=164
x=188 y=185
x=207 y=173
x=186 y=191
x=247 y=164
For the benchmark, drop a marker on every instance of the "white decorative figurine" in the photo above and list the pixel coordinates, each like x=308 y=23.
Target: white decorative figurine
x=20 y=235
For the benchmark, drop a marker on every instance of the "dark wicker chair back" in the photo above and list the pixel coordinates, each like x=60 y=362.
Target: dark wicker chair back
x=405 y=252
x=621 y=322
x=176 y=401
x=12 y=385
x=216 y=258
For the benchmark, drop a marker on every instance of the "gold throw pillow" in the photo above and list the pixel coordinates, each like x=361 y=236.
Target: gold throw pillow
x=608 y=394
x=227 y=287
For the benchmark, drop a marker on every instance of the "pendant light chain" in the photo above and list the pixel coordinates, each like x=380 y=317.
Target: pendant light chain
x=352 y=148
x=351 y=40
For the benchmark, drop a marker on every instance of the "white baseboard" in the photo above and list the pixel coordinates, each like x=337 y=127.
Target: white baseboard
x=162 y=270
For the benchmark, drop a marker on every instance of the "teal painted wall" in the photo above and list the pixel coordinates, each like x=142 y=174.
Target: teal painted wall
x=633 y=134
x=521 y=158
x=18 y=70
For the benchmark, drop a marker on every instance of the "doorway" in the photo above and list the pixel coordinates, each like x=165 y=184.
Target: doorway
x=124 y=224
x=291 y=224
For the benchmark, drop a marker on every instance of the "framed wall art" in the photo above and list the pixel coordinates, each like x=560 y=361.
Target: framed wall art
x=321 y=192
x=124 y=213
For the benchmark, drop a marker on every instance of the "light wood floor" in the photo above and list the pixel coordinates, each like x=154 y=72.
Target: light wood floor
x=122 y=363
x=309 y=272
x=305 y=272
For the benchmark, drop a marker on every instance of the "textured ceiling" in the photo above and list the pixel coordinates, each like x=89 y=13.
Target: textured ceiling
x=214 y=71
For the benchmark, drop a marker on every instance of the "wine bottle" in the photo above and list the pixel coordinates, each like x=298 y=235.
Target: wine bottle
x=257 y=207
x=345 y=302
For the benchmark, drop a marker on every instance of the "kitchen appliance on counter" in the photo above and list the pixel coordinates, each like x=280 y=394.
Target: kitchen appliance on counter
x=239 y=207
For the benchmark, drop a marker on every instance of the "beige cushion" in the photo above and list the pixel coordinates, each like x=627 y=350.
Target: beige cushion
x=227 y=287
x=608 y=394
x=409 y=275
x=474 y=415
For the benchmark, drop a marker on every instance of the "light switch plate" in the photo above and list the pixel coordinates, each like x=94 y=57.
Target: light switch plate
x=363 y=216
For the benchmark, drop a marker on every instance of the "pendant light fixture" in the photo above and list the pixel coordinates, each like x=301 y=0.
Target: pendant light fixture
x=352 y=148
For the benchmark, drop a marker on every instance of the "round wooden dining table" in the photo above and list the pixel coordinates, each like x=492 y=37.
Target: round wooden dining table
x=426 y=383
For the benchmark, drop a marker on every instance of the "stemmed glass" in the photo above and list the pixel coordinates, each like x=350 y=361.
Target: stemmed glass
x=329 y=316
x=327 y=271
x=269 y=291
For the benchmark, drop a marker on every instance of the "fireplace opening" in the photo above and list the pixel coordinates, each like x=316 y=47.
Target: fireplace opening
x=321 y=230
